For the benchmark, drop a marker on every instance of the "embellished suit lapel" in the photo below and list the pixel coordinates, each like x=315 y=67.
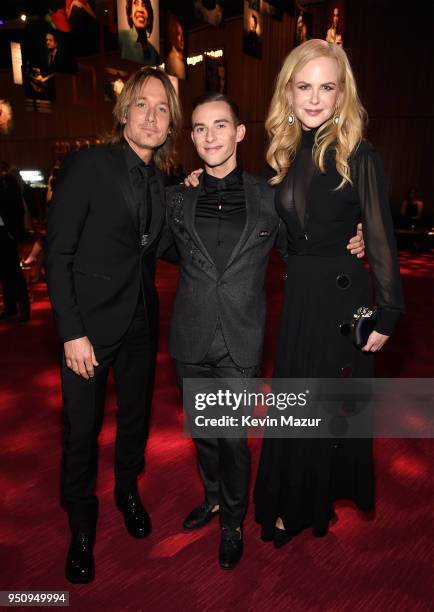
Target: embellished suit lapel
x=191 y=195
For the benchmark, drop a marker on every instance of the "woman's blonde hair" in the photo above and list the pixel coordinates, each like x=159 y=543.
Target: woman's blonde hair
x=343 y=137
x=164 y=156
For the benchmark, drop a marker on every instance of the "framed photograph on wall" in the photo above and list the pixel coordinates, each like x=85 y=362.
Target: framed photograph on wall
x=39 y=89
x=76 y=19
x=208 y=12
x=216 y=77
x=175 y=47
x=335 y=22
x=6 y=122
x=114 y=81
x=252 y=43
x=303 y=25
x=139 y=31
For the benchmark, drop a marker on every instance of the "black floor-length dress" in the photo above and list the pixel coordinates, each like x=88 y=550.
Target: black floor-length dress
x=299 y=479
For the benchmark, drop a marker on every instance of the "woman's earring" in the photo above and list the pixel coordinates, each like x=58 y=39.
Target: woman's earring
x=336 y=117
x=291 y=118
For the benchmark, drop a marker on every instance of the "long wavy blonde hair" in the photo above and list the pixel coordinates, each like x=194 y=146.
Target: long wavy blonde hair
x=343 y=137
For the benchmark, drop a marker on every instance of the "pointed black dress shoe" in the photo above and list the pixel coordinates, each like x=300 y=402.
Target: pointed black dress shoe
x=231 y=548
x=199 y=517
x=80 y=565
x=282 y=537
x=137 y=520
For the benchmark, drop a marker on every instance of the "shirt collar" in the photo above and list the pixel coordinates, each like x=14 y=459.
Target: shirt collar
x=233 y=178
x=132 y=159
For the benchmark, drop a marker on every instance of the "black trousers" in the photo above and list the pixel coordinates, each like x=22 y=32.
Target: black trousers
x=224 y=463
x=11 y=276
x=133 y=363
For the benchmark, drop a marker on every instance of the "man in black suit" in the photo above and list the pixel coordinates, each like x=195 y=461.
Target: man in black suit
x=53 y=60
x=224 y=230
x=11 y=231
x=104 y=225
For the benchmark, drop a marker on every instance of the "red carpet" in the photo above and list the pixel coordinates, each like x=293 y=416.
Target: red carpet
x=377 y=565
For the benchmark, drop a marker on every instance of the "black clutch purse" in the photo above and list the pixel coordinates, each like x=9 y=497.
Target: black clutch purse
x=363 y=323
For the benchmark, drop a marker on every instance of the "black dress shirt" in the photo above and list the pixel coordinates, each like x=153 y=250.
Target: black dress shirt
x=221 y=215
x=139 y=174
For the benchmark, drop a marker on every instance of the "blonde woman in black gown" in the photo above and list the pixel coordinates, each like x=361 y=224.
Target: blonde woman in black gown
x=327 y=180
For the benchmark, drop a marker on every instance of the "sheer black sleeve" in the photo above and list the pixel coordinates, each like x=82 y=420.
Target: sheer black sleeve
x=281 y=243
x=370 y=183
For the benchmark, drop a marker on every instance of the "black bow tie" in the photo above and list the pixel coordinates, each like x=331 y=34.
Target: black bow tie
x=212 y=184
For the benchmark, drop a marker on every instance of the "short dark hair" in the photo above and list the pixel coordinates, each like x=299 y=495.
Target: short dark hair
x=53 y=34
x=219 y=97
x=149 y=10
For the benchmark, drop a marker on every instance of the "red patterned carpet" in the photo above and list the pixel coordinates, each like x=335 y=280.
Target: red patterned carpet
x=377 y=565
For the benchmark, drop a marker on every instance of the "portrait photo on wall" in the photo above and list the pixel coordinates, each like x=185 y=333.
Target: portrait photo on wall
x=49 y=50
x=78 y=19
x=45 y=52
x=335 y=22
x=252 y=43
x=208 y=12
x=303 y=25
x=139 y=31
x=114 y=81
x=175 y=47
x=216 y=75
x=39 y=89
x=6 y=123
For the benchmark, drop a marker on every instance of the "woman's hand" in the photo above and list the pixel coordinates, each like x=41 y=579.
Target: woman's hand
x=192 y=180
x=375 y=342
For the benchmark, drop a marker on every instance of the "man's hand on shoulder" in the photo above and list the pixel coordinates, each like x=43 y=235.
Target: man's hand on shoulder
x=80 y=357
x=356 y=245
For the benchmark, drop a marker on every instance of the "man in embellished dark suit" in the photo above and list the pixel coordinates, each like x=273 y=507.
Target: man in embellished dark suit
x=104 y=226
x=224 y=229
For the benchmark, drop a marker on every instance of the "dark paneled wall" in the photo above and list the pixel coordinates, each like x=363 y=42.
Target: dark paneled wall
x=79 y=113
x=390 y=45
x=390 y=49
x=250 y=81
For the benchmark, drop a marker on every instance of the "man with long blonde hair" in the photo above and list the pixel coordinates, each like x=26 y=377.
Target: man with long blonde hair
x=104 y=226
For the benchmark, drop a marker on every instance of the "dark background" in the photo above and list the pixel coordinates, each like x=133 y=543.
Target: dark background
x=390 y=46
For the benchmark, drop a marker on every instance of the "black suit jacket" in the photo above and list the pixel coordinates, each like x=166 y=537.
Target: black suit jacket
x=95 y=265
x=237 y=296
